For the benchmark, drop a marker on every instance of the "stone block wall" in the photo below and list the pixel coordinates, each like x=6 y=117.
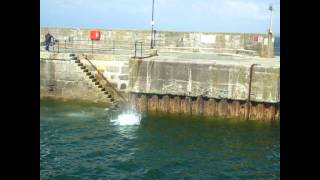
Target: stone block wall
x=261 y=43
x=63 y=79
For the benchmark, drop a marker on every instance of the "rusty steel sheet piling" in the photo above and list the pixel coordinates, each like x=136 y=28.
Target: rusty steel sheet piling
x=208 y=107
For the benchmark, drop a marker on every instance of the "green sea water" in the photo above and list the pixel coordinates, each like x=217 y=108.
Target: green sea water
x=82 y=141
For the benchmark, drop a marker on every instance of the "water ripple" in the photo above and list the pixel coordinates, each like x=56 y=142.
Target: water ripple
x=83 y=142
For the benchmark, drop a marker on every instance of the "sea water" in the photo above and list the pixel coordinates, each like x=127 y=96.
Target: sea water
x=81 y=141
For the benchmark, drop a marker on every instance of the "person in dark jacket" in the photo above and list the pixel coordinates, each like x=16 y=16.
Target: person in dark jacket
x=48 y=40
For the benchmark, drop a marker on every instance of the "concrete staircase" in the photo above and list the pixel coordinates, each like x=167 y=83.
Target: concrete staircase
x=106 y=94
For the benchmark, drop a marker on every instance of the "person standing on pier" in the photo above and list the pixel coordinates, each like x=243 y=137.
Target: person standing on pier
x=48 y=40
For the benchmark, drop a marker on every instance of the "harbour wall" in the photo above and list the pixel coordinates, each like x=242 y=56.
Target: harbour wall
x=197 y=82
x=256 y=44
x=209 y=88
x=216 y=88
x=62 y=78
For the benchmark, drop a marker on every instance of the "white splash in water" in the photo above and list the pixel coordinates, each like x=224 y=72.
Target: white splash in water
x=127 y=118
x=76 y=114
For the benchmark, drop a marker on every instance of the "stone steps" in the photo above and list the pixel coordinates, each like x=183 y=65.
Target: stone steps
x=91 y=77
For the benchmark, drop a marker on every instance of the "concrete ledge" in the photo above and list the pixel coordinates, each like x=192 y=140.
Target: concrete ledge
x=66 y=56
x=53 y=56
x=75 y=100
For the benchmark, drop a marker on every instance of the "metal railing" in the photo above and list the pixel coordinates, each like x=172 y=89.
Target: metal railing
x=138 y=48
x=135 y=49
x=88 y=46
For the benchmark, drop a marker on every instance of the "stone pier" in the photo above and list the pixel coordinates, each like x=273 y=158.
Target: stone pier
x=214 y=85
x=232 y=75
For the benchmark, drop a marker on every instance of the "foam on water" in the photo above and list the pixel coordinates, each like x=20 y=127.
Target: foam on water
x=127 y=118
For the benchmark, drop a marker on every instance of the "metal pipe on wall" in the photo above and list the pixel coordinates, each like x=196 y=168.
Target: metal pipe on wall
x=249 y=93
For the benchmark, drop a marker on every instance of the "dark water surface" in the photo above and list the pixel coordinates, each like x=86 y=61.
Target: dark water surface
x=78 y=141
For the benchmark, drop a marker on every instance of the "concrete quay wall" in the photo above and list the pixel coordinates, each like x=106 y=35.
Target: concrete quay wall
x=212 y=79
x=209 y=88
x=261 y=44
x=61 y=78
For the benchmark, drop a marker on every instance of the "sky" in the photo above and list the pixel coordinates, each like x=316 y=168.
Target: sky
x=174 y=15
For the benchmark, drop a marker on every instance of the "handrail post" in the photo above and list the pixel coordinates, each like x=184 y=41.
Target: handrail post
x=91 y=46
x=113 y=46
x=58 y=46
x=140 y=49
x=135 y=49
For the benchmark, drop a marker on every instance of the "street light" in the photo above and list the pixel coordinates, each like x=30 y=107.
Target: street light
x=152 y=23
x=270 y=26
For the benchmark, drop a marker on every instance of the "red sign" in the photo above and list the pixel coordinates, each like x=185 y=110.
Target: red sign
x=258 y=39
x=95 y=35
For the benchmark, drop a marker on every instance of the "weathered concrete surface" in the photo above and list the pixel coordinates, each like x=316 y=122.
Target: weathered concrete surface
x=114 y=67
x=220 y=77
x=206 y=85
x=62 y=78
x=59 y=79
x=260 y=44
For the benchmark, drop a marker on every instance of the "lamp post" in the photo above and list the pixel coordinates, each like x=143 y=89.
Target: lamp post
x=152 y=23
x=270 y=50
x=270 y=26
